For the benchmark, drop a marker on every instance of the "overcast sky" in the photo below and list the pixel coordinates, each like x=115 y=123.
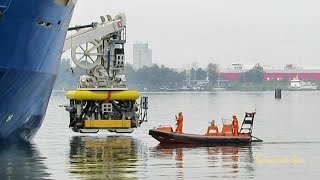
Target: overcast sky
x=179 y=32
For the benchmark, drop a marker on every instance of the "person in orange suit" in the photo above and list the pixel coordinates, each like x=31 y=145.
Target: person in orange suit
x=213 y=127
x=235 y=125
x=179 y=119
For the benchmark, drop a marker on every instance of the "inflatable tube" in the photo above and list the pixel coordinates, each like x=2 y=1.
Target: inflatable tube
x=103 y=95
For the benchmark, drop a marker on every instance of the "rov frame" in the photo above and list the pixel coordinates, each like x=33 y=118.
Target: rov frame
x=113 y=115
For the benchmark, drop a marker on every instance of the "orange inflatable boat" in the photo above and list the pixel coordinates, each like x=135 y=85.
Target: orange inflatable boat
x=166 y=135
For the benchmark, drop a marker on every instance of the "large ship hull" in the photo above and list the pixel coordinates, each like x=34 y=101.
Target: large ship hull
x=32 y=35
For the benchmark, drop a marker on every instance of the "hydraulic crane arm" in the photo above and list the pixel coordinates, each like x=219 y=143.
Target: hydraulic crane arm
x=103 y=29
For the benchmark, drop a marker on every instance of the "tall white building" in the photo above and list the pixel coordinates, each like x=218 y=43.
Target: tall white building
x=142 y=56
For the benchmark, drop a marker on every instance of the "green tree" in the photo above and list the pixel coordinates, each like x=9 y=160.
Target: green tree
x=68 y=77
x=155 y=77
x=201 y=74
x=254 y=75
x=130 y=73
x=213 y=71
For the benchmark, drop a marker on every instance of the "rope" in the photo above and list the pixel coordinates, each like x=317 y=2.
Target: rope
x=256 y=139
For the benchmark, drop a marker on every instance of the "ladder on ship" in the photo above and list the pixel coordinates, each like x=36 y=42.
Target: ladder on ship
x=247 y=124
x=4 y=5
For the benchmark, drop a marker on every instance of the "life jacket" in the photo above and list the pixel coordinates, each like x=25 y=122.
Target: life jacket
x=180 y=119
x=235 y=122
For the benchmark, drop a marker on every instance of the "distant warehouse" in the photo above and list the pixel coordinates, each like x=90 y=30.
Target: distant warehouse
x=290 y=71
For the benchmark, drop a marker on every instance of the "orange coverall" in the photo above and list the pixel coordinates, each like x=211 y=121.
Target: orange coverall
x=235 y=124
x=179 y=124
x=212 y=127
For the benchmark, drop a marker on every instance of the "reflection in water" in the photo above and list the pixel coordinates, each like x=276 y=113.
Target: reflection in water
x=22 y=161
x=229 y=156
x=223 y=161
x=179 y=159
x=111 y=157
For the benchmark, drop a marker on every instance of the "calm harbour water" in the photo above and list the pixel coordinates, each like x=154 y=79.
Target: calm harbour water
x=289 y=128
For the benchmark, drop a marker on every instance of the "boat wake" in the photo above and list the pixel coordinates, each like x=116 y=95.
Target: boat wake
x=293 y=142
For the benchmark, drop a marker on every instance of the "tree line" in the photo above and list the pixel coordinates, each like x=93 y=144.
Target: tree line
x=155 y=77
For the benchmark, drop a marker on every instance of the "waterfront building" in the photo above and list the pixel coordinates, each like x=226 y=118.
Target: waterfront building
x=142 y=56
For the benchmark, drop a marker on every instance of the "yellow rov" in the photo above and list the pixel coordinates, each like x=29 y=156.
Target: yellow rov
x=102 y=100
x=113 y=110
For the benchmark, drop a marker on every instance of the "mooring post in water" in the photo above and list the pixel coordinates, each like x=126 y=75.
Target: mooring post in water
x=278 y=93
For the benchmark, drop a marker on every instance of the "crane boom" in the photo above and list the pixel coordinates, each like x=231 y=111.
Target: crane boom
x=103 y=29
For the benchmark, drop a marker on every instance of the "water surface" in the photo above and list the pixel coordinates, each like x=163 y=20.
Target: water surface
x=289 y=128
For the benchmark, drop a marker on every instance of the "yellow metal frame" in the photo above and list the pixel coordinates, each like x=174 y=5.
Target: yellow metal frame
x=103 y=95
x=107 y=124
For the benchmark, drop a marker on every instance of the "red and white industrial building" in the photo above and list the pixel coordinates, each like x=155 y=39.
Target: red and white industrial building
x=289 y=71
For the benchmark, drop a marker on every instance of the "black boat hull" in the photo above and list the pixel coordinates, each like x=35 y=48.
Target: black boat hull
x=165 y=137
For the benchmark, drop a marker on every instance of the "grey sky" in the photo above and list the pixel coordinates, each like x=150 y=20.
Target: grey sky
x=179 y=32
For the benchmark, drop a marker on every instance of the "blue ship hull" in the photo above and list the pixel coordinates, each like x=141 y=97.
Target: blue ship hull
x=32 y=34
